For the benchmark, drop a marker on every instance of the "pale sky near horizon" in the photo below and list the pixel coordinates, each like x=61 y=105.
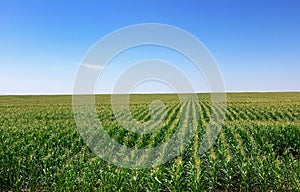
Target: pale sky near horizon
x=256 y=43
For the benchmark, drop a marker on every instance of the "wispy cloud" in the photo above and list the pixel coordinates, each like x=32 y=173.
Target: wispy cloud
x=92 y=66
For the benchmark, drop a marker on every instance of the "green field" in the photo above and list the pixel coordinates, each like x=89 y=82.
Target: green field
x=258 y=148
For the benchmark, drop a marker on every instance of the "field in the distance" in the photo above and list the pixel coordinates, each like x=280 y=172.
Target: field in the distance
x=258 y=148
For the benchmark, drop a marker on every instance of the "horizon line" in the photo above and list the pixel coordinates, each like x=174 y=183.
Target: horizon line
x=144 y=93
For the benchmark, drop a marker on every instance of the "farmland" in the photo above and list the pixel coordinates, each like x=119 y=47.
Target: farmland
x=258 y=148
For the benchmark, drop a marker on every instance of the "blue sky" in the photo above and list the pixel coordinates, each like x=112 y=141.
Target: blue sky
x=255 y=43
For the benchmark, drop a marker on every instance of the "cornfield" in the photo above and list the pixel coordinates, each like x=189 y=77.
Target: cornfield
x=257 y=149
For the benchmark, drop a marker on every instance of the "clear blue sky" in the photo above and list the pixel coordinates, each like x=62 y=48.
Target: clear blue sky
x=256 y=43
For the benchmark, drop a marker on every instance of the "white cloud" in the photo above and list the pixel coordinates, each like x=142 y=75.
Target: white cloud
x=92 y=66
